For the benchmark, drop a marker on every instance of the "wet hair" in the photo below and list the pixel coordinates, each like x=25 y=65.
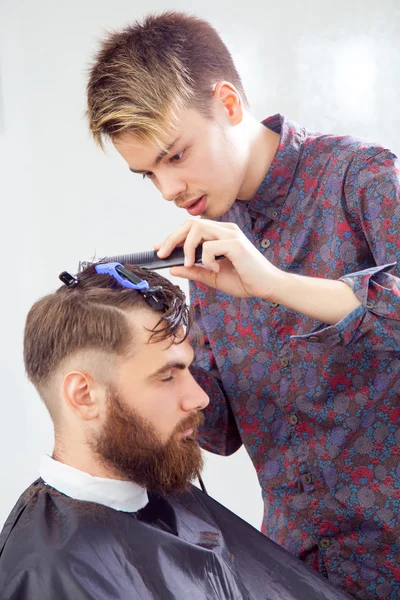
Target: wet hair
x=93 y=315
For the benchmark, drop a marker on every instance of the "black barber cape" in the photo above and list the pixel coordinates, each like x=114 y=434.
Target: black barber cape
x=184 y=547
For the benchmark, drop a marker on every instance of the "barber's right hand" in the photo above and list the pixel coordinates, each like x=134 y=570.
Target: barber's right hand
x=244 y=272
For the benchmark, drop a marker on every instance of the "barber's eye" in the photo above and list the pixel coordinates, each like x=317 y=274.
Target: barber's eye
x=177 y=157
x=148 y=175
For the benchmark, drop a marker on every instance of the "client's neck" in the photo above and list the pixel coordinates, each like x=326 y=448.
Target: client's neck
x=79 y=456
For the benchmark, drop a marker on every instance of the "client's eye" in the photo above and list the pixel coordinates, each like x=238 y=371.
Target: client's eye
x=170 y=378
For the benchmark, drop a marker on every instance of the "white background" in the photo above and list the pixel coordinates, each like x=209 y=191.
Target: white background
x=330 y=66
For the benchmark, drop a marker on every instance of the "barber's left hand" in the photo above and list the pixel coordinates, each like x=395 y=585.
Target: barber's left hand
x=245 y=272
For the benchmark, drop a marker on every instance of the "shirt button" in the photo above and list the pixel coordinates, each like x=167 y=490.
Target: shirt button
x=274 y=304
x=284 y=361
x=369 y=305
x=274 y=214
x=313 y=338
x=325 y=543
x=293 y=419
x=266 y=243
x=306 y=478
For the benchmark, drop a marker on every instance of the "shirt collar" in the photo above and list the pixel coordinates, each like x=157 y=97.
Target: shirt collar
x=125 y=496
x=272 y=192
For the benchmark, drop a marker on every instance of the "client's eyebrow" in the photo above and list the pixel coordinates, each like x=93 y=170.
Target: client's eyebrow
x=169 y=366
x=159 y=158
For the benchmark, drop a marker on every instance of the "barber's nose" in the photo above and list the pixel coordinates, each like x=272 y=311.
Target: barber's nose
x=172 y=188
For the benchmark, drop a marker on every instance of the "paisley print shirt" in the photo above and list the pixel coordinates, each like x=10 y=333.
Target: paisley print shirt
x=317 y=406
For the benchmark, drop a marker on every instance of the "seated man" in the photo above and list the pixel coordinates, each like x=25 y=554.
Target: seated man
x=113 y=515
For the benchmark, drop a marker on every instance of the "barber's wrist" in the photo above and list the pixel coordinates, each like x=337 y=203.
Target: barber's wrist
x=319 y=298
x=279 y=286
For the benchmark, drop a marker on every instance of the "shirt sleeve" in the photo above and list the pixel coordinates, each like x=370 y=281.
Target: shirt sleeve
x=219 y=433
x=372 y=191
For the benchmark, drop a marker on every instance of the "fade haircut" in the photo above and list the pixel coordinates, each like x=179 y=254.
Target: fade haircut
x=93 y=315
x=146 y=74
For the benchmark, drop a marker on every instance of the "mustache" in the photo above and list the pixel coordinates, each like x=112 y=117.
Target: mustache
x=190 y=422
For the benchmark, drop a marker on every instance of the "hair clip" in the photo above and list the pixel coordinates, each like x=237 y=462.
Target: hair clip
x=69 y=280
x=152 y=295
x=122 y=275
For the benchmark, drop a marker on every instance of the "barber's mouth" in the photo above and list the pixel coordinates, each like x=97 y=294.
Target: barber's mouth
x=198 y=207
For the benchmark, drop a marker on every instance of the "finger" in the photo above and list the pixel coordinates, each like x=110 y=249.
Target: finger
x=219 y=231
x=209 y=254
x=206 y=230
x=193 y=239
x=174 y=239
x=195 y=274
x=157 y=246
x=231 y=249
x=210 y=230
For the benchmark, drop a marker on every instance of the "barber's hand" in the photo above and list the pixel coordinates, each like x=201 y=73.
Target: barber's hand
x=245 y=272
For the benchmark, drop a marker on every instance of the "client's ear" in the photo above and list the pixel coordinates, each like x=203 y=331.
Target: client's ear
x=83 y=394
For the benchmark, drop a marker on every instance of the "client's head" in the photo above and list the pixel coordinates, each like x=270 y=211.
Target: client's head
x=114 y=376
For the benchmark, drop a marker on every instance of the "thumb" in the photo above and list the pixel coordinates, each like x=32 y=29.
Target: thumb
x=195 y=273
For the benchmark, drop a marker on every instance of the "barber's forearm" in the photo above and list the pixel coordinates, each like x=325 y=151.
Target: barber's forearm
x=325 y=300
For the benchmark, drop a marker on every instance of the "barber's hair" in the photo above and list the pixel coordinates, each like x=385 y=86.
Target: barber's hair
x=144 y=75
x=93 y=316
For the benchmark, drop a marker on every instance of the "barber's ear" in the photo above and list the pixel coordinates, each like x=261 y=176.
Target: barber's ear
x=227 y=95
x=82 y=394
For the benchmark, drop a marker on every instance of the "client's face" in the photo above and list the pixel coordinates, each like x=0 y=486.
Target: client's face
x=152 y=415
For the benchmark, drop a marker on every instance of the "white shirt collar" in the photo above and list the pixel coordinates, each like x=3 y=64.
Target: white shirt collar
x=125 y=496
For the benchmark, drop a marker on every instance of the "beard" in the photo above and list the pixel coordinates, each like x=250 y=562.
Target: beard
x=131 y=446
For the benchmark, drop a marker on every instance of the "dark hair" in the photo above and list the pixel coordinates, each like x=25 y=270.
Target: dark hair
x=145 y=74
x=92 y=315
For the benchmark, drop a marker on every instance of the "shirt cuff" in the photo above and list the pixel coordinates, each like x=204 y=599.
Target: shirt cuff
x=379 y=293
x=377 y=289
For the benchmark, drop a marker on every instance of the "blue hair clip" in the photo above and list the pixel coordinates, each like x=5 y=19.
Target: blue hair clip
x=122 y=275
x=152 y=295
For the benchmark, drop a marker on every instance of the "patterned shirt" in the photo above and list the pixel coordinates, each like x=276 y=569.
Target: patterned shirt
x=317 y=406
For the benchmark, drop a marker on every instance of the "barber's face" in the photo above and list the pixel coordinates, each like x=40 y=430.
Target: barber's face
x=153 y=412
x=204 y=168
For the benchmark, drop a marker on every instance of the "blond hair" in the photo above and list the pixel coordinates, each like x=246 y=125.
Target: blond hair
x=145 y=75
